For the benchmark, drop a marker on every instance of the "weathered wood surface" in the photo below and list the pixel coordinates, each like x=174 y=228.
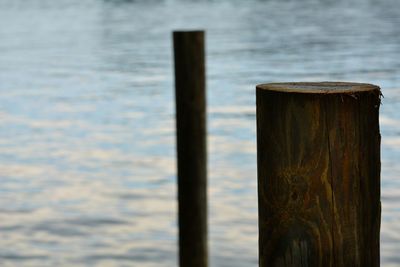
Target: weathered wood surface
x=191 y=147
x=318 y=148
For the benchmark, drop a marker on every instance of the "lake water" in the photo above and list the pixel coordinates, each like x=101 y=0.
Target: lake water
x=87 y=139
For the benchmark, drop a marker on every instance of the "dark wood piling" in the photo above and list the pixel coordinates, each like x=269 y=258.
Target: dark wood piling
x=318 y=148
x=191 y=147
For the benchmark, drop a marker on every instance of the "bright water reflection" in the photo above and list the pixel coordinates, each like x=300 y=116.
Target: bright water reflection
x=87 y=121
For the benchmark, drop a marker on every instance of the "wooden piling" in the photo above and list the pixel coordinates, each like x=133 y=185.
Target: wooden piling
x=318 y=147
x=191 y=147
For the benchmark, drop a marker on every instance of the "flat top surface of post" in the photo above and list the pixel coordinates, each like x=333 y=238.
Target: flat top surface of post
x=186 y=32
x=319 y=87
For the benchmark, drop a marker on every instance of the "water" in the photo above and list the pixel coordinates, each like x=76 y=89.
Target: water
x=87 y=146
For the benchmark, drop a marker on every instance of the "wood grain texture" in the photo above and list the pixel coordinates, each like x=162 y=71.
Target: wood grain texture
x=191 y=147
x=318 y=147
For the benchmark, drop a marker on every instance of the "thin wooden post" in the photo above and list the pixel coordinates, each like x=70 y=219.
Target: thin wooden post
x=191 y=147
x=318 y=150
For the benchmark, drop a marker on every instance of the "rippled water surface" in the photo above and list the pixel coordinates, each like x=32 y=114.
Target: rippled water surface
x=87 y=146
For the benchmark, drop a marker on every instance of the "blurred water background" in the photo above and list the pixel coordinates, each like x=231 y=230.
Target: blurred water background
x=87 y=139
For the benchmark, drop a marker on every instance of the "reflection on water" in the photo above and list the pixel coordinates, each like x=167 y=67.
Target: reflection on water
x=87 y=119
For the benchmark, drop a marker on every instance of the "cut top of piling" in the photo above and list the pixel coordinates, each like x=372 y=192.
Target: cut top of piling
x=319 y=87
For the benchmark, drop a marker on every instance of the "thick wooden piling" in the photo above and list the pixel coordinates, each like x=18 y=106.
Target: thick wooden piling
x=191 y=147
x=318 y=147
